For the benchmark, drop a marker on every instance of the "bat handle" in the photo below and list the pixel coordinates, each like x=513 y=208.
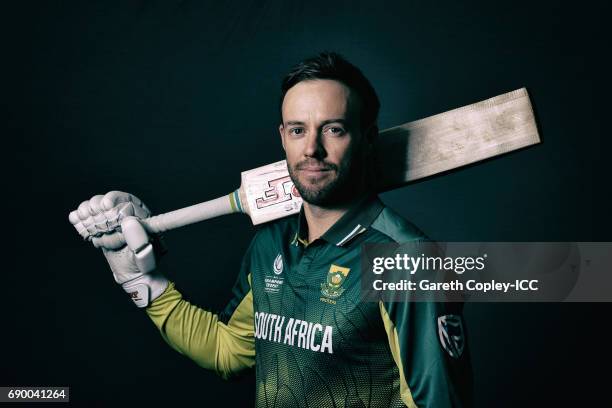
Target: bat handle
x=228 y=204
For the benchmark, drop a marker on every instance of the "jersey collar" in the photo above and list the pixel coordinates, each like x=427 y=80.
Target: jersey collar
x=353 y=223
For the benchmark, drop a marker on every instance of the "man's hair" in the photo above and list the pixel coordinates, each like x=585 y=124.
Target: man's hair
x=331 y=65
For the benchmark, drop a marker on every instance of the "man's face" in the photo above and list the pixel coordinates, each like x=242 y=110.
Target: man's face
x=323 y=141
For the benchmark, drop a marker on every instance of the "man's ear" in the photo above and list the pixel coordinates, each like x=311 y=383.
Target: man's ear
x=282 y=135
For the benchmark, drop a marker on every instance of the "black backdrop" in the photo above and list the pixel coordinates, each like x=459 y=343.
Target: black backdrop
x=171 y=100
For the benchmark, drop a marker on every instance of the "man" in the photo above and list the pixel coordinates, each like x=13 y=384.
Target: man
x=297 y=313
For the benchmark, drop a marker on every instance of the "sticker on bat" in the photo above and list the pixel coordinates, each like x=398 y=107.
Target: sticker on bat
x=281 y=190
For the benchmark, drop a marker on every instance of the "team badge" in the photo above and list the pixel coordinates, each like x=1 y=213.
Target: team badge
x=450 y=333
x=336 y=276
x=277 y=267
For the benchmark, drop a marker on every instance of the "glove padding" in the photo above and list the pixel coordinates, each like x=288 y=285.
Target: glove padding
x=99 y=220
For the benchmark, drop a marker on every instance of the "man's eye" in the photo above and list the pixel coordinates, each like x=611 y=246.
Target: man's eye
x=296 y=131
x=335 y=130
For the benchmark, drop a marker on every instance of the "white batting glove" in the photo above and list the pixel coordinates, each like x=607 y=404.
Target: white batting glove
x=103 y=220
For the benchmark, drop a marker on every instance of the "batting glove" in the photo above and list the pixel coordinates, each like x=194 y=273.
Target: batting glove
x=108 y=221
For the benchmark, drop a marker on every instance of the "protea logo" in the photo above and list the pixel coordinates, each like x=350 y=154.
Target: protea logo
x=278 y=264
x=336 y=276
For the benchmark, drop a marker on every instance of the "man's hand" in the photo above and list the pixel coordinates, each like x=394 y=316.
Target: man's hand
x=103 y=220
x=98 y=218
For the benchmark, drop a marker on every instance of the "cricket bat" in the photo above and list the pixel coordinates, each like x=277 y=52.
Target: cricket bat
x=403 y=154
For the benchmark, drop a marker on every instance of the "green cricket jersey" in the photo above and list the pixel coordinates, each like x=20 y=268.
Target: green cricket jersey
x=297 y=316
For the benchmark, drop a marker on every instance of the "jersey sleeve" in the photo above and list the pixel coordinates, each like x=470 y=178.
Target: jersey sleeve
x=429 y=375
x=223 y=342
x=428 y=344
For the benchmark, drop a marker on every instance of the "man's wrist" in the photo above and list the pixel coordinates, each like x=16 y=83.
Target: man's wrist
x=146 y=288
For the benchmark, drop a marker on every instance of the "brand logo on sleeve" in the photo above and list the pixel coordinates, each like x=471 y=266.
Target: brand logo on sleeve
x=450 y=333
x=332 y=287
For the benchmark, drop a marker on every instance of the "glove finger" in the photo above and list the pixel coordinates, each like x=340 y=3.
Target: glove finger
x=84 y=213
x=74 y=219
x=112 y=241
x=95 y=205
x=97 y=223
x=83 y=210
x=140 y=209
x=82 y=230
x=90 y=225
x=101 y=223
x=127 y=210
x=115 y=215
x=112 y=218
x=113 y=198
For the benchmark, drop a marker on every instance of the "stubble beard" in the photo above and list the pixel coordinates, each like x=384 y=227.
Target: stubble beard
x=346 y=184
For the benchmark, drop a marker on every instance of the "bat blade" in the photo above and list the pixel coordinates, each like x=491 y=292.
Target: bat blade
x=454 y=139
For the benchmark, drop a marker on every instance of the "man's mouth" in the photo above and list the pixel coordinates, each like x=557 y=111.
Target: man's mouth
x=314 y=170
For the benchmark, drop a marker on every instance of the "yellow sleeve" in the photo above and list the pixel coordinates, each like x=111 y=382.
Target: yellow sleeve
x=225 y=347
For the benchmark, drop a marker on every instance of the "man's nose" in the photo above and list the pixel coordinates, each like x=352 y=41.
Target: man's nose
x=314 y=146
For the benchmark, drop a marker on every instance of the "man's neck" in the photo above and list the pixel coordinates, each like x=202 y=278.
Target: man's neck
x=320 y=219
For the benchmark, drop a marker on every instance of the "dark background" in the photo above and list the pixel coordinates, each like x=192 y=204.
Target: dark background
x=171 y=100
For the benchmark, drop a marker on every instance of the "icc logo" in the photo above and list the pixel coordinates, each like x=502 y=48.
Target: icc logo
x=281 y=190
x=277 y=267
